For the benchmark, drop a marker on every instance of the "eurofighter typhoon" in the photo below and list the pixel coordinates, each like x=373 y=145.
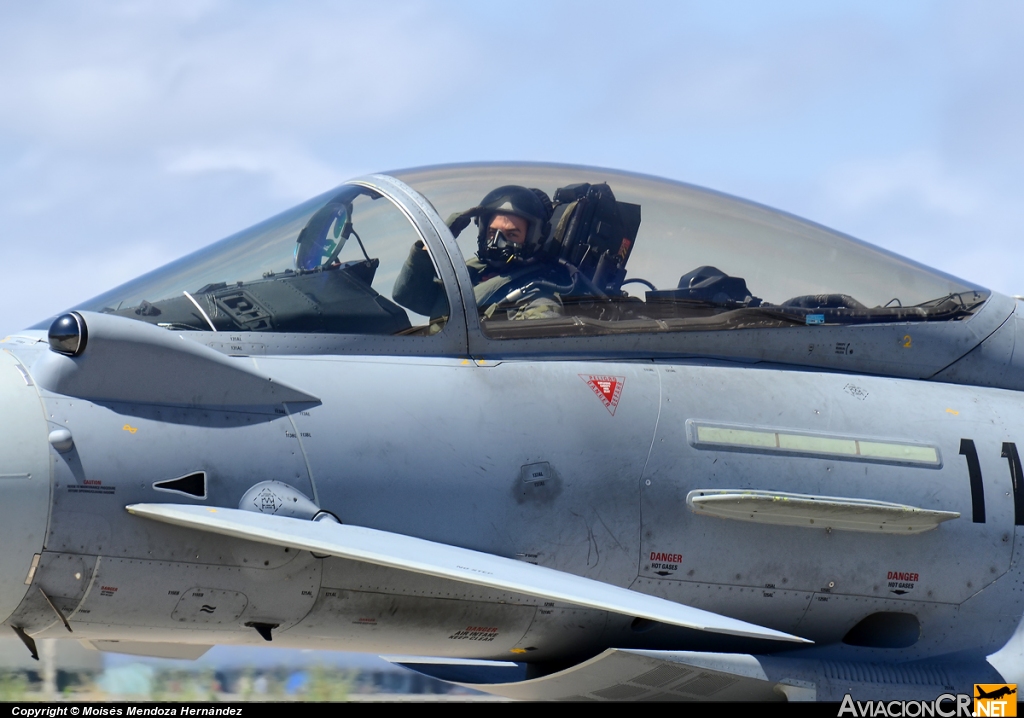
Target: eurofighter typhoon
x=550 y=432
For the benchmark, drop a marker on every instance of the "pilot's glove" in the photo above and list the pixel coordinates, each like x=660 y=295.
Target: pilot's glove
x=418 y=287
x=458 y=222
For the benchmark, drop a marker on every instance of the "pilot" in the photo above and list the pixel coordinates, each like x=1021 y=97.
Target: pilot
x=511 y=277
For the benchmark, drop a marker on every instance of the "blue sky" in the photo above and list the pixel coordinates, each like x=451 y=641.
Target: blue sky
x=132 y=133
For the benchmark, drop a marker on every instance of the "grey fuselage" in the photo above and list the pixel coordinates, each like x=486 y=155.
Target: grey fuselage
x=580 y=454
x=437 y=449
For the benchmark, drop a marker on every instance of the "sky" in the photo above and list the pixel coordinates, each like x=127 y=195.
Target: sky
x=133 y=133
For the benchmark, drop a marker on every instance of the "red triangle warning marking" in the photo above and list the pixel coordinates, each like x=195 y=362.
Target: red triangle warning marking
x=607 y=388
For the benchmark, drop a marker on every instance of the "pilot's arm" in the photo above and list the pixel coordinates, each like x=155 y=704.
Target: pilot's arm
x=418 y=287
x=529 y=302
x=539 y=308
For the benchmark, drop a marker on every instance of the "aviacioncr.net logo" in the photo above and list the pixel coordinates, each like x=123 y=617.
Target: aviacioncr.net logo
x=947 y=705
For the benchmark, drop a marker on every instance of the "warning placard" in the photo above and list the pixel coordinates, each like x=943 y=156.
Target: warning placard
x=607 y=388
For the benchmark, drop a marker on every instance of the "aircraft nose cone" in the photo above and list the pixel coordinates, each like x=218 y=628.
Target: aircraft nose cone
x=24 y=481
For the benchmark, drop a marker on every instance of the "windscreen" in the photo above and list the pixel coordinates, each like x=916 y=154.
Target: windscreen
x=328 y=265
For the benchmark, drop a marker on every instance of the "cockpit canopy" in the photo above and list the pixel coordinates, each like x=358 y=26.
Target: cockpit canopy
x=624 y=255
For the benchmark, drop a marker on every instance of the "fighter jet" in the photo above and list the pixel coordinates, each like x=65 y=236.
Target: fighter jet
x=551 y=432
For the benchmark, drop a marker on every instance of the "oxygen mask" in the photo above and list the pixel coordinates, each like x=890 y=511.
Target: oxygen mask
x=500 y=248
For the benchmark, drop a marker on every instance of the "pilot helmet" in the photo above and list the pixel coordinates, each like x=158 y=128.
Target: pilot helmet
x=533 y=205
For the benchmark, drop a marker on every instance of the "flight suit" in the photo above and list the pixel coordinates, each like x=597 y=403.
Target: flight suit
x=418 y=288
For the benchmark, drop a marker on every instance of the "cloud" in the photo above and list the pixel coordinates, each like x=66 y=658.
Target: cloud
x=36 y=288
x=918 y=177
x=291 y=173
x=128 y=125
x=134 y=75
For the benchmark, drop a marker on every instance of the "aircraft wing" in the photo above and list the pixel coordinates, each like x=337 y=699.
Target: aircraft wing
x=407 y=553
x=644 y=675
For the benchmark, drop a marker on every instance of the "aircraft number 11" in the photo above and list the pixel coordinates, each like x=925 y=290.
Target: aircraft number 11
x=968 y=450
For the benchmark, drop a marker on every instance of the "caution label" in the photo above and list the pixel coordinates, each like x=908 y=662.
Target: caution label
x=901 y=582
x=607 y=388
x=475 y=633
x=665 y=564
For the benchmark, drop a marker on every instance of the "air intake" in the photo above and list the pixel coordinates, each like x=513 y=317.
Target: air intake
x=885 y=630
x=191 y=485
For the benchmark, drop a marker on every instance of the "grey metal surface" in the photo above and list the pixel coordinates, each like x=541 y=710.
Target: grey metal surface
x=278 y=499
x=998 y=361
x=181 y=651
x=900 y=350
x=329 y=442
x=893 y=410
x=445 y=461
x=625 y=675
x=829 y=512
x=406 y=553
x=452 y=338
x=24 y=481
x=685 y=676
x=130 y=361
